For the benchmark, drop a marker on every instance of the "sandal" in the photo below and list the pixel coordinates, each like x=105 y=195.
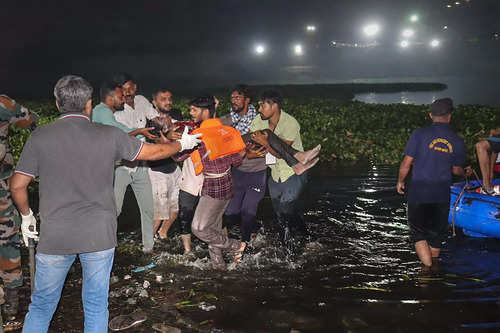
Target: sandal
x=124 y=322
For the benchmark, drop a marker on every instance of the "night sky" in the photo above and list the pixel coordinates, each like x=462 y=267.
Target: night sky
x=189 y=44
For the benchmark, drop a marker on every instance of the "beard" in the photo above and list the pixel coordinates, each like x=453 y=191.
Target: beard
x=236 y=109
x=163 y=110
x=119 y=107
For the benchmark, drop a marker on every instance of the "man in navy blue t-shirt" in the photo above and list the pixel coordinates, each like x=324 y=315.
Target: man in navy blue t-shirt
x=435 y=152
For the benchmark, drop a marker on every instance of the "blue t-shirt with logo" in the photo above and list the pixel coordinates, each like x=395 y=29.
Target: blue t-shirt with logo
x=436 y=149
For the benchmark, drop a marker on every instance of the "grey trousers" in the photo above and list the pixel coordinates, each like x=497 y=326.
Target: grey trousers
x=141 y=185
x=207 y=226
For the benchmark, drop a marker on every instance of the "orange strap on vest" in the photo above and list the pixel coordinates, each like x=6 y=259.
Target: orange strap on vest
x=220 y=141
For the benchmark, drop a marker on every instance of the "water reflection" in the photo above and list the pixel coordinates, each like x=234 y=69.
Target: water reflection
x=358 y=271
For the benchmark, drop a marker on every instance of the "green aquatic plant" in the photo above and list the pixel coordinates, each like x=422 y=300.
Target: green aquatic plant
x=349 y=131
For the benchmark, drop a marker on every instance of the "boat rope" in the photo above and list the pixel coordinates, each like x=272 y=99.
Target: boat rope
x=466 y=186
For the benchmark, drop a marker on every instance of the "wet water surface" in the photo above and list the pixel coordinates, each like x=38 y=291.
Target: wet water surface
x=357 y=273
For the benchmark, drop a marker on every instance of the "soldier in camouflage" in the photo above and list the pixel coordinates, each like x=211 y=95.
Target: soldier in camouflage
x=11 y=113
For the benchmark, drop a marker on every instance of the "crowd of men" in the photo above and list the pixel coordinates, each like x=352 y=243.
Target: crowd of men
x=87 y=158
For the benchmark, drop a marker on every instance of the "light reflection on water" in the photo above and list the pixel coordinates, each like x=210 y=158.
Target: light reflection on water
x=358 y=265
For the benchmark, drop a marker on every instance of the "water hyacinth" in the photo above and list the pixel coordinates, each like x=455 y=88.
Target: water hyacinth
x=352 y=131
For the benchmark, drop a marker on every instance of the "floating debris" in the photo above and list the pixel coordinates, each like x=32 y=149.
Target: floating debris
x=365 y=288
x=127 y=277
x=143 y=268
x=206 y=307
x=146 y=284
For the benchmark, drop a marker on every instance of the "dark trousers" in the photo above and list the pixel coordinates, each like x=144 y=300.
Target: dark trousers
x=187 y=207
x=285 y=199
x=248 y=190
x=284 y=150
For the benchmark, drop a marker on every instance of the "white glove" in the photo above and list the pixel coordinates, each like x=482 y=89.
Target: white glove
x=189 y=141
x=28 y=221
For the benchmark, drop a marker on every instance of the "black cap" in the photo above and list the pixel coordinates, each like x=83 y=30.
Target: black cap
x=204 y=101
x=442 y=107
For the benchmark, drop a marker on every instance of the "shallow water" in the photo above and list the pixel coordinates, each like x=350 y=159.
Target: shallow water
x=358 y=273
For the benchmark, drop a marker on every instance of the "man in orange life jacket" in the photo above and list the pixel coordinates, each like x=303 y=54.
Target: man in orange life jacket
x=216 y=193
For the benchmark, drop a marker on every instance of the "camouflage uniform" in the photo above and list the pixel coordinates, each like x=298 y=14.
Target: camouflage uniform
x=10 y=221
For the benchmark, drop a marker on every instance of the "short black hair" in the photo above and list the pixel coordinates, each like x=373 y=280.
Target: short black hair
x=244 y=90
x=272 y=96
x=205 y=102
x=161 y=90
x=122 y=78
x=107 y=89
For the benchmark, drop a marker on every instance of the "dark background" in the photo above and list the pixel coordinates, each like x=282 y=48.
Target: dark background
x=189 y=44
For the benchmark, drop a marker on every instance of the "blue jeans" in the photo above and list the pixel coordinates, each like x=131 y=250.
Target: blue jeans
x=51 y=271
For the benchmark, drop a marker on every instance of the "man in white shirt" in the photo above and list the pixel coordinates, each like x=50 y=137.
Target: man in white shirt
x=135 y=114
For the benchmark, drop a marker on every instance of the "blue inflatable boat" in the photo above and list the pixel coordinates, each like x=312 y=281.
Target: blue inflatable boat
x=477 y=214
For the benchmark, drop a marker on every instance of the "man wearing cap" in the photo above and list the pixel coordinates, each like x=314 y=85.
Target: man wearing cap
x=435 y=153
x=487 y=153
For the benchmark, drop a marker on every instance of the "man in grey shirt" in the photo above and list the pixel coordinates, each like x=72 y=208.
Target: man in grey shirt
x=74 y=159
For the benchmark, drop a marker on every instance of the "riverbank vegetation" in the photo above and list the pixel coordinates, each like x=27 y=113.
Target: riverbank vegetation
x=347 y=130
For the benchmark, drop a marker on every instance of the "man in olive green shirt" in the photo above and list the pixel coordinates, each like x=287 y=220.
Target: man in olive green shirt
x=285 y=186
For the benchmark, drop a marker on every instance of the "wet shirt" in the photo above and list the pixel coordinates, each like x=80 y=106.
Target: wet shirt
x=436 y=149
x=287 y=128
x=220 y=187
x=75 y=160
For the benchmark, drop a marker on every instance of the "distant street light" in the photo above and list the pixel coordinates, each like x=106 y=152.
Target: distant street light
x=435 y=43
x=445 y=27
x=298 y=50
x=414 y=18
x=408 y=33
x=260 y=49
x=371 y=29
x=404 y=44
x=311 y=28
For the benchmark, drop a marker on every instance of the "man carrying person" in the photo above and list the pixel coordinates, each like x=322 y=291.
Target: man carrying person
x=75 y=159
x=11 y=113
x=285 y=186
x=112 y=100
x=165 y=175
x=137 y=111
x=435 y=153
x=487 y=153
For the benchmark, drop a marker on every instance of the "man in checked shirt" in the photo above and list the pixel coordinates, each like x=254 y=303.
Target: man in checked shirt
x=216 y=193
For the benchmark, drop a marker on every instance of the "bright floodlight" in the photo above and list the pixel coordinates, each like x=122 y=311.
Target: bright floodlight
x=445 y=27
x=311 y=28
x=404 y=44
x=435 y=43
x=298 y=50
x=414 y=18
x=371 y=29
x=407 y=33
x=260 y=49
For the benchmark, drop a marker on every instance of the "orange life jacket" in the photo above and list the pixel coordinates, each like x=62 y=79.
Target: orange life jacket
x=220 y=141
